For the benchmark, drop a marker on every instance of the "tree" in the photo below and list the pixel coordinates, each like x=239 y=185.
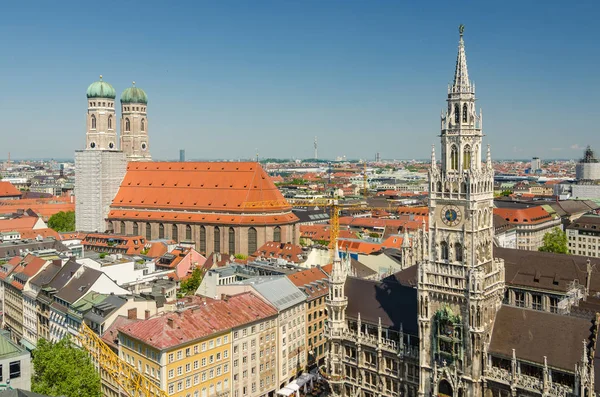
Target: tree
x=555 y=241
x=62 y=221
x=191 y=284
x=61 y=369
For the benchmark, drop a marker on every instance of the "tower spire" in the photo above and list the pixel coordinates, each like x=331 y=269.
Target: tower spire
x=461 y=74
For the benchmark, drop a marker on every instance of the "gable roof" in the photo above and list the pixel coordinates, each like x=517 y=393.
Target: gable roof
x=79 y=285
x=278 y=290
x=8 y=190
x=314 y=282
x=198 y=186
x=199 y=321
x=531 y=215
x=524 y=330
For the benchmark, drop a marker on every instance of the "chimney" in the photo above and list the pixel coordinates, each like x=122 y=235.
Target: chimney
x=132 y=314
x=170 y=322
x=147 y=314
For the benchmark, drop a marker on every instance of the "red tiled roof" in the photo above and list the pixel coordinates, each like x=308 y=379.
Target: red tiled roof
x=8 y=190
x=524 y=215
x=362 y=247
x=288 y=251
x=198 y=322
x=29 y=267
x=197 y=186
x=322 y=232
x=45 y=207
x=20 y=223
x=33 y=233
x=309 y=281
x=130 y=245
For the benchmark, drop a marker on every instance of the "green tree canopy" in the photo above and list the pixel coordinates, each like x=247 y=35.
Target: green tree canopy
x=61 y=369
x=62 y=221
x=191 y=284
x=555 y=241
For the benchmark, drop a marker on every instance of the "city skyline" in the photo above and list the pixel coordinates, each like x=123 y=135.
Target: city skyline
x=224 y=80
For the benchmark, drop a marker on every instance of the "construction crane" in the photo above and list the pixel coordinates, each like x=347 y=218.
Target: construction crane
x=132 y=382
x=329 y=202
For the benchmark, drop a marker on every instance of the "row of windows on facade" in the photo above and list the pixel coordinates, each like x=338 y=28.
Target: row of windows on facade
x=454 y=157
x=196 y=365
x=252 y=236
x=205 y=392
x=110 y=123
x=111 y=104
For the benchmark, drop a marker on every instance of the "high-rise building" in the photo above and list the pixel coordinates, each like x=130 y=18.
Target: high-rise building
x=182 y=155
x=536 y=164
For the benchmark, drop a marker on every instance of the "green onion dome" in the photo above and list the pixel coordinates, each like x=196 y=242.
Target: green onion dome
x=101 y=89
x=134 y=94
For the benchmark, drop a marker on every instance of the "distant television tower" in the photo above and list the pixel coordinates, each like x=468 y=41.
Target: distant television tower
x=316 y=149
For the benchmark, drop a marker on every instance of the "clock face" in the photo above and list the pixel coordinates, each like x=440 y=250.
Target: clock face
x=451 y=215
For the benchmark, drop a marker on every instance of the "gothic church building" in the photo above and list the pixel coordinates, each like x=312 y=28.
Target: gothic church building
x=457 y=324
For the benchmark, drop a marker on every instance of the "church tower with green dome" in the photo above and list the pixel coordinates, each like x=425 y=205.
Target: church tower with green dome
x=100 y=166
x=134 y=124
x=101 y=133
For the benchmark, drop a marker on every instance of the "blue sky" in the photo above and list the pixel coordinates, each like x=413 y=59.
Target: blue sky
x=225 y=78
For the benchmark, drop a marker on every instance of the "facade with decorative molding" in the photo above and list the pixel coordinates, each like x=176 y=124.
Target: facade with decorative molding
x=465 y=321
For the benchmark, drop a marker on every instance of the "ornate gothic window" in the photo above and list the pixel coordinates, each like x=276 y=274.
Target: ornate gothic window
x=93 y=122
x=148 y=231
x=444 y=250
x=453 y=158
x=456 y=114
x=231 y=241
x=458 y=252
x=127 y=125
x=252 y=241
x=136 y=229
x=277 y=234
x=448 y=336
x=467 y=157
x=217 y=241
x=110 y=122
x=122 y=229
x=161 y=231
x=202 y=239
x=174 y=233
x=143 y=125
x=465 y=113
x=188 y=232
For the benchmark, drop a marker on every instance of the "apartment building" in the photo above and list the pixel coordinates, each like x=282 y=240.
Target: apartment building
x=532 y=224
x=583 y=236
x=314 y=284
x=290 y=302
x=254 y=346
x=17 y=312
x=189 y=351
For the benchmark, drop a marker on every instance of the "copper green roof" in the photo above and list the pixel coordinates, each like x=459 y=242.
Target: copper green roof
x=101 y=89
x=134 y=94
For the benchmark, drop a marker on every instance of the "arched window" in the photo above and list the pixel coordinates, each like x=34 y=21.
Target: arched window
x=204 y=392
x=188 y=232
x=93 y=122
x=231 y=241
x=465 y=113
x=136 y=229
x=439 y=186
x=174 y=233
x=217 y=241
x=110 y=122
x=444 y=250
x=202 y=239
x=148 y=231
x=161 y=231
x=456 y=114
x=453 y=158
x=467 y=157
x=252 y=241
x=458 y=252
x=122 y=229
x=143 y=125
x=127 y=125
x=277 y=234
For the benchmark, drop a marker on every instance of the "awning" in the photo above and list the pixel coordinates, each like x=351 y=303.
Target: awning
x=28 y=345
x=285 y=392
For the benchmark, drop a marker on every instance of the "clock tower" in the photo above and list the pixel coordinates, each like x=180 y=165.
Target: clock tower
x=461 y=285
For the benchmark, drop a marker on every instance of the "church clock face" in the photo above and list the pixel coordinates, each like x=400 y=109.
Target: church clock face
x=451 y=215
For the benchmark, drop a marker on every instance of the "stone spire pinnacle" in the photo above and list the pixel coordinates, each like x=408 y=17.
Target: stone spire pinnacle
x=461 y=74
x=433 y=156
